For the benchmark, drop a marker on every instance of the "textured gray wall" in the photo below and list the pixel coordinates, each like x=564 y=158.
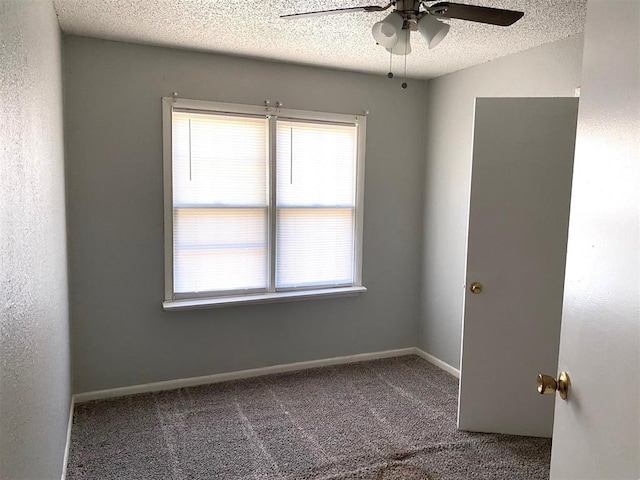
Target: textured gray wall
x=120 y=334
x=551 y=70
x=34 y=388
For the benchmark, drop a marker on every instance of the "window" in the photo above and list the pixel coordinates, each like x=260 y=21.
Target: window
x=261 y=203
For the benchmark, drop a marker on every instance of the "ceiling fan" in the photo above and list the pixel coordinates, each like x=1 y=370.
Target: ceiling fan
x=393 y=32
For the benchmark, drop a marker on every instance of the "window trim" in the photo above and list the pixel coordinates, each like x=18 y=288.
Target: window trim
x=173 y=301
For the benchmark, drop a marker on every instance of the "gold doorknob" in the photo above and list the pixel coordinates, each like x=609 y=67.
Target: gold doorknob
x=547 y=384
x=475 y=287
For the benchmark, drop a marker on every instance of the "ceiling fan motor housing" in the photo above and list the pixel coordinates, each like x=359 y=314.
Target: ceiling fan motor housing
x=410 y=10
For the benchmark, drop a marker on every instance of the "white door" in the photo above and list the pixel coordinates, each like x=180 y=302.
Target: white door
x=523 y=152
x=597 y=429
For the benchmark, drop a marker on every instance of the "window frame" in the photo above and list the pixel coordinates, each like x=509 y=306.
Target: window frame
x=175 y=301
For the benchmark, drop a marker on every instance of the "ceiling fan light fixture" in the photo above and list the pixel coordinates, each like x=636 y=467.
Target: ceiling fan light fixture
x=387 y=31
x=403 y=46
x=432 y=30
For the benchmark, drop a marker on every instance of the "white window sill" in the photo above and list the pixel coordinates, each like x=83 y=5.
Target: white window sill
x=196 y=303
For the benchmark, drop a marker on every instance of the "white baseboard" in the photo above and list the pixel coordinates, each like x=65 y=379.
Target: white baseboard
x=65 y=460
x=437 y=362
x=255 y=372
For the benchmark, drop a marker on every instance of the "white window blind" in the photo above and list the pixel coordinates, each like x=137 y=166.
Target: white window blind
x=220 y=240
x=316 y=168
x=260 y=203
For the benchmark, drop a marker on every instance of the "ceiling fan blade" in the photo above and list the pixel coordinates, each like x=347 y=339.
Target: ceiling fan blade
x=370 y=8
x=473 y=13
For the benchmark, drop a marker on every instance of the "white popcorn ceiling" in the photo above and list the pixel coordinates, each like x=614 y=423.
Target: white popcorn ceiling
x=254 y=29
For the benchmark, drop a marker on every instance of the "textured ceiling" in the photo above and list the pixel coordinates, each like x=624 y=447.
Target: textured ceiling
x=337 y=41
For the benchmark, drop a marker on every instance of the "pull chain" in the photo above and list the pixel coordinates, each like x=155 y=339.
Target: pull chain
x=390 y=74
x=291 y=158
x=406 y=46
x=190 y=166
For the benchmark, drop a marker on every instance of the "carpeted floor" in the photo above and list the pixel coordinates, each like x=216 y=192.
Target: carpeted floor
x=382 y=420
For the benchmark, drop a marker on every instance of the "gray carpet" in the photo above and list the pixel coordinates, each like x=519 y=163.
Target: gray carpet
x=382 y=420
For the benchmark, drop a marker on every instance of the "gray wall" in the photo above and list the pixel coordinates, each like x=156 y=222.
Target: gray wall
x=34 y=371
x=551 y=70
x=120 y=335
